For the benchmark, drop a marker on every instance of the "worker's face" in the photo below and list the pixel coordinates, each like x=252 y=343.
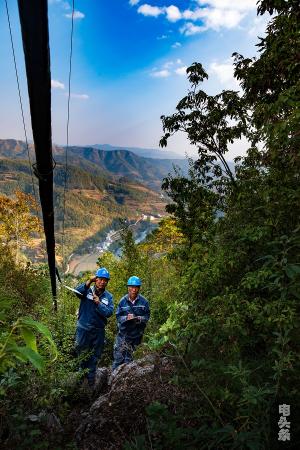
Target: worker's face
x=101 y=283
x=133 y=291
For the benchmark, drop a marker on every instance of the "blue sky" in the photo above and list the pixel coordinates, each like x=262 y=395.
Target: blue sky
x=128 y=66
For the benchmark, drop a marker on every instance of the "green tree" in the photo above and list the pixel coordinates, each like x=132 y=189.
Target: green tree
x=234 y=322
x=130 y=253
x=194 y=204
x=163 y=239
x=17 y=221
x=211 y=122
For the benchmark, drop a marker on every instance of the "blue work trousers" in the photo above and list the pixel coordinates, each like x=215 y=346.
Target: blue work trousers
x=123 y=350
x=90 y=342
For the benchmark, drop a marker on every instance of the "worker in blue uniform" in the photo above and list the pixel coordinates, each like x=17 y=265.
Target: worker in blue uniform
x=96 y=306
x=133 y=313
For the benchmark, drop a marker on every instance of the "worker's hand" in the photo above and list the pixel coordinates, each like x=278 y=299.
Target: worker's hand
x=96 y=299
x=130 y=316
x=90 y=281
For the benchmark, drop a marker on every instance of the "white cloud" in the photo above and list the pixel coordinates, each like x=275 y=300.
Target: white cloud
x=196 y=14
x=242 y=5
x=222 y=18
x=160 y=73
x=224 y=73
x=148 y=10
x=133 y=2
x=168 y=64
x=258 y=27
x=173 y=13
x=176 y=45
x=189 y=29
x=76 y=15
x=163 y=36
x=169 y=68
x=55 y=84
x=204 y=15
x=181 y=70
x=215 y=18
x=80 y=96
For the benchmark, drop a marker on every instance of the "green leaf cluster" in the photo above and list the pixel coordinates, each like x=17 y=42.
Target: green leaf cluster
x=234 y=322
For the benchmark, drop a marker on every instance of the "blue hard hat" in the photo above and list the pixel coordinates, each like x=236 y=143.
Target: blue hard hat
x=102 y=273
x=134 y=281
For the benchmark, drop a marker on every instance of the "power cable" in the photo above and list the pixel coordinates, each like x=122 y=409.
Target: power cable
x=22 y=113
x=67 y=137
x=20 y=100
x=66 y=174
x=35 y=37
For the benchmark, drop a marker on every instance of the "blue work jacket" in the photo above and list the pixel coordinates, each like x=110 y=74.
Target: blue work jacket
x=91 y=315
x=134 y=328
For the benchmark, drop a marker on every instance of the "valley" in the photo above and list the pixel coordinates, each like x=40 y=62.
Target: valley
x=112 y=242
x=103 y=189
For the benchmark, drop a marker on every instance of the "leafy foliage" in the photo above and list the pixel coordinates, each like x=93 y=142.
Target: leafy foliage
x=11 y=351
x=22 y=339
x=222 y=273
x=234 y=323
x=211 y=122
x=17 y=223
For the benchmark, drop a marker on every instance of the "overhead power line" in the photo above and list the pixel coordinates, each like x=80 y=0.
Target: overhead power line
x=20 y=101
x=35 y=36
x=67 y=137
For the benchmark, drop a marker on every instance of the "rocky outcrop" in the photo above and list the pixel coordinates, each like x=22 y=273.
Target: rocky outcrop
x=118 y=411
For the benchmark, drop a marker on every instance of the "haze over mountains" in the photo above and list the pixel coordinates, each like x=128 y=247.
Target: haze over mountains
x=145 y=152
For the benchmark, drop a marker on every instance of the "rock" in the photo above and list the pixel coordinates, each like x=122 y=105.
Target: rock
x=125 y=371
x=121 y=409
x=101 y=381
x=49 y=420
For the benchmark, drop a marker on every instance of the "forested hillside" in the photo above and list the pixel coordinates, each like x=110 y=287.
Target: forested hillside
x=219 y=363
x=113 y=163
x=95 y=201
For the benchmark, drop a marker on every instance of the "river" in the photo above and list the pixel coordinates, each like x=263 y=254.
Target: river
x=88 y=261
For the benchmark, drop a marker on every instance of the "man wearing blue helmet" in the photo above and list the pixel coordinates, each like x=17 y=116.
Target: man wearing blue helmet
x=95 y=307
x=133 y=313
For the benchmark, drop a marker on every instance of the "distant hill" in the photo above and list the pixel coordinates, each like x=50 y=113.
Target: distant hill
x=102 y=188
x=145 y=152
x=110 y=163
x=124 y=163
x=11 y=148
x=94 y=203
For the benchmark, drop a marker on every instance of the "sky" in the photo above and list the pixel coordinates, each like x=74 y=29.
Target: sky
x=128 y=65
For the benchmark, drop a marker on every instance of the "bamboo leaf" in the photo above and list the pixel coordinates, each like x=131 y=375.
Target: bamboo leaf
x=29 y=338
x=27 y=354
x=41 y=328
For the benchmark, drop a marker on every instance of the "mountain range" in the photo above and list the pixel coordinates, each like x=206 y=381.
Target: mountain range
x=146 y=152
x=103 y=187
x=116 y=163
